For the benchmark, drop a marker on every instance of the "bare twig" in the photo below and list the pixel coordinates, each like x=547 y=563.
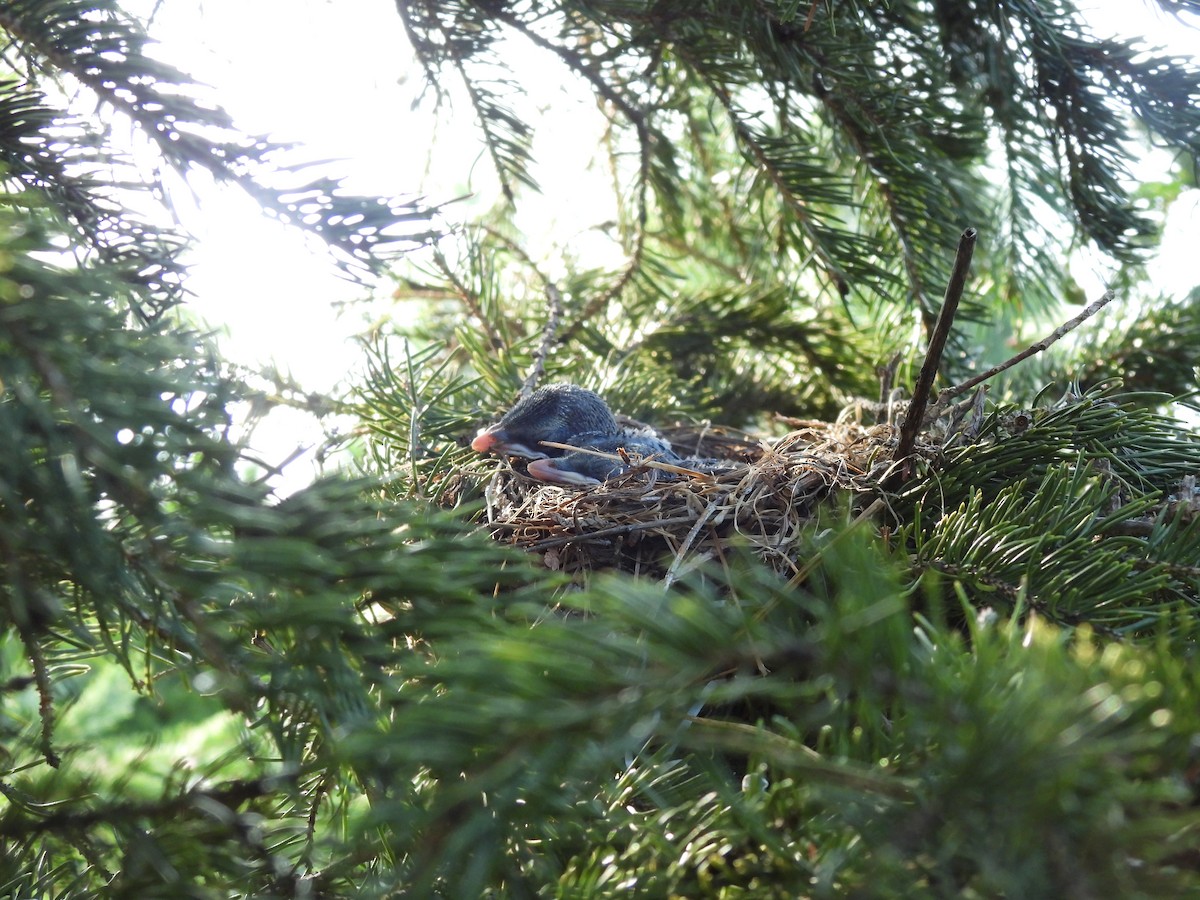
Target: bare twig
x=887 y=378
x=937 y=343
x=812 y=14
x=1067 y=327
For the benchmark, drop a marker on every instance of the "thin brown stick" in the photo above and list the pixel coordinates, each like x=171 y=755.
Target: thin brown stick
x=937 y=344
x=1066 y=328
x=887 y=379
x=812 y=14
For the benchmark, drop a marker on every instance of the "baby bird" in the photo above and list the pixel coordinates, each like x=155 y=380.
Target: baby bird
x=557 y=412
x=584 y=469
x=567 y=414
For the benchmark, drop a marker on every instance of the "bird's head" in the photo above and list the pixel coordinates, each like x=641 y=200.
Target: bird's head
x=556 y=412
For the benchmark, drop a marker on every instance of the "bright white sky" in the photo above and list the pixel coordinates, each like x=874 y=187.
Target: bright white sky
x=337 y=78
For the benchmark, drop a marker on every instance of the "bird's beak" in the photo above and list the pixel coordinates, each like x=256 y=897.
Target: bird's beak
x=496 y=440
x=484 y=441
x=546 y=470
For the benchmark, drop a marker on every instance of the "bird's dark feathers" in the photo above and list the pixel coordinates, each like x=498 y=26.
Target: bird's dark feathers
x=587 y=469
x=568 y=414
x=556 y=412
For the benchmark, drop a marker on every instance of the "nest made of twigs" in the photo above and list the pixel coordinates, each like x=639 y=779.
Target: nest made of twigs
x=654 y=522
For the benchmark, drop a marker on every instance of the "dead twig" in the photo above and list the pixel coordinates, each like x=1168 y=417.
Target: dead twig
x=937 y=344
x=1066 y=328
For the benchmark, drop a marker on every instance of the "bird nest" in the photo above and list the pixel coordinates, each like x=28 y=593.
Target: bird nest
x=660 y=520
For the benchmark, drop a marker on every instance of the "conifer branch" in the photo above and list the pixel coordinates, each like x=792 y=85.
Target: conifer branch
x=230 y=795
x=554 y=306
x=798 y=756
x=891 y=201
x=106 y=51
x=509 y=153
x=791 y=199
x=638 y=120
x=468 y=296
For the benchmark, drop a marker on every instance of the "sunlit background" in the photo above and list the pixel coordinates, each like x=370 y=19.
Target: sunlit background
x=339 y=79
